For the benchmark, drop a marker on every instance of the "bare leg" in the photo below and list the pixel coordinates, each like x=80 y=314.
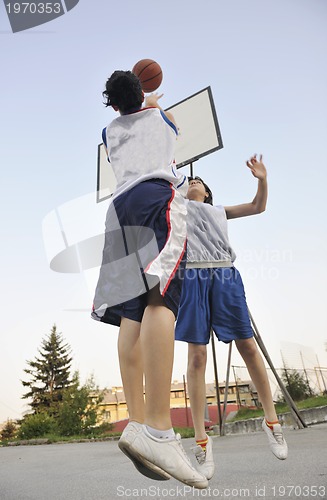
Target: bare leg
x=157 y=342
x=154 y=457
x=197 y=360
x=131 y=367
x=258 y=373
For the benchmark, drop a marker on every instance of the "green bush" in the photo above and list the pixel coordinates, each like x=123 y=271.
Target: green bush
x=36 y=426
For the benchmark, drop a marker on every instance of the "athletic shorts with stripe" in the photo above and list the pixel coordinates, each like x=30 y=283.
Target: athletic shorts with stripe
x=213 y=298
x=145 y=244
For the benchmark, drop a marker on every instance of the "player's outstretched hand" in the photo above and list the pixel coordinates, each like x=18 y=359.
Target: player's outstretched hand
x=257 y=167
x=152 y=100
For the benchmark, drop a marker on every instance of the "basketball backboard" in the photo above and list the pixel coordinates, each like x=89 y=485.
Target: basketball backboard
x=199 y=135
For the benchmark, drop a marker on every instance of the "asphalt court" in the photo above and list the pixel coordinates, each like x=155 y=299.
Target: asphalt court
x=245 y=468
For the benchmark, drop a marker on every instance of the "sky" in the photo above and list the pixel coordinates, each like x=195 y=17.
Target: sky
x=266 y=65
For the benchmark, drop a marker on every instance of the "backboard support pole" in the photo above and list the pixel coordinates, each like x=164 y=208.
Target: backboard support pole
x=294 y=410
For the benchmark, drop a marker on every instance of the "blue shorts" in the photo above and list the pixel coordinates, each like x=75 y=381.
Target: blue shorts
x=143 y=225
x=213 y=298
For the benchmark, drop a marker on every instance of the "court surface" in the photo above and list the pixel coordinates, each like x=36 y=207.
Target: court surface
x=245 y=468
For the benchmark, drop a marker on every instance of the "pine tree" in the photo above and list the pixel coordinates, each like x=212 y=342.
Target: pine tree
x=50 y=374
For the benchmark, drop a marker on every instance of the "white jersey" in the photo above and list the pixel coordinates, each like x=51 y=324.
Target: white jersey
x=207 y=236
x=141 y=146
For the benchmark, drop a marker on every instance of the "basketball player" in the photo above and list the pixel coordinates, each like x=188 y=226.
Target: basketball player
x=138 y=288
x=213 y=297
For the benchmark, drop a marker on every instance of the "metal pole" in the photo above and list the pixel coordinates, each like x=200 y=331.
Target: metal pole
x=306 y=375
x=222 y=432
x=318 y=381
x=294 y=410
x=237 y=391
x=216 y=377
x=322 y=375
x=285 y=370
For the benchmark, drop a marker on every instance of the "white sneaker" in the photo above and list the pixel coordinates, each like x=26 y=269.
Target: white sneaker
x=205 y=464
x=147 y=469
x=276 y=439
x=169 y=456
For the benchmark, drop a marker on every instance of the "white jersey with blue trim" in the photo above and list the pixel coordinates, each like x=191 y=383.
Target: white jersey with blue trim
x=141 y=146
x=207 y=235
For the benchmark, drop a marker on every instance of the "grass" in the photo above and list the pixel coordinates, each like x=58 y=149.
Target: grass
x=314 y=402
x=54 y=438
x=246 y=413
x=185 y=432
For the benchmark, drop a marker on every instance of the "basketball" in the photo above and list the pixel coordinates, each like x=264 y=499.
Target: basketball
x=149 y=73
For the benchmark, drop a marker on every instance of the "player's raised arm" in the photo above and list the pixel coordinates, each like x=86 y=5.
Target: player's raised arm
x=258 y=204
x=152 y=101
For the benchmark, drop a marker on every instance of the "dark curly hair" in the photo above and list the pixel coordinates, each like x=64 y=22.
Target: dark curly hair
x=209 y=198
x=123 y=89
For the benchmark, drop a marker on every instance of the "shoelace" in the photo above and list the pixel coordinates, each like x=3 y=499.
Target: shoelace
x=200 y=454
x=278 y=435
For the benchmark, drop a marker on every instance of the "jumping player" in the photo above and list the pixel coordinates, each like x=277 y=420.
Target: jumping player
x=213 y=297
x=139 y=287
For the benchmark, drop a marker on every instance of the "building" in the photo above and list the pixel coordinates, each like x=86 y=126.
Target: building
x=113 y=406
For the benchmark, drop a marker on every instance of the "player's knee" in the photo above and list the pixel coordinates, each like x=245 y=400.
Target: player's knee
x=198 y=358
x=247 y=347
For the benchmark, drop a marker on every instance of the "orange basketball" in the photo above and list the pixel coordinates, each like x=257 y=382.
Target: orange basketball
x=149 y=73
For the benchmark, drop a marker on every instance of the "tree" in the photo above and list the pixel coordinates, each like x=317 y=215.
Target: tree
x=296 y=385
x=76 y=415
x=78 y=410
x=50 y=374
x=9 y=430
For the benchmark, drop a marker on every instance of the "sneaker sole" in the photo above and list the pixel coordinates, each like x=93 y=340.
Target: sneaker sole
x=279 y=458
x=144 y=467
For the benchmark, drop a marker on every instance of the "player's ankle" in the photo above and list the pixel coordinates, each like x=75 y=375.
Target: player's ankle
x=270 y=423
x=202 y=442
x=167 y=434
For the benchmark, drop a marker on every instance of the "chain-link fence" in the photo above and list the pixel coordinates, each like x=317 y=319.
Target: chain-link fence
x=299 y=381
